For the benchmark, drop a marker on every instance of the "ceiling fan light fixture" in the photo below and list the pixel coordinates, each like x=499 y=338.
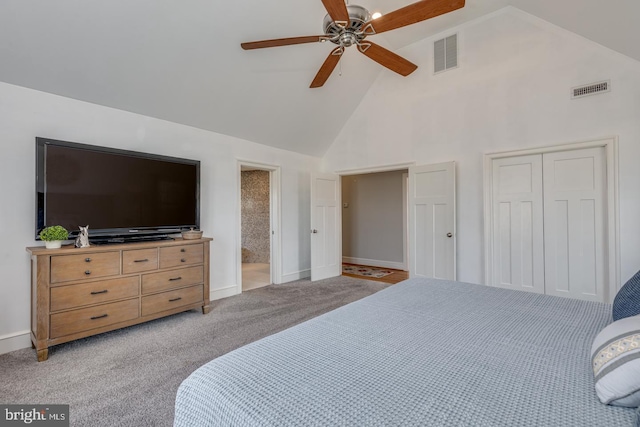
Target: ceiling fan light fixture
x=347 y=39
x=358 y=16
x=376 y=15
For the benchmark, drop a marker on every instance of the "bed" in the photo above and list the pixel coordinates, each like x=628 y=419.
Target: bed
x=420 y=353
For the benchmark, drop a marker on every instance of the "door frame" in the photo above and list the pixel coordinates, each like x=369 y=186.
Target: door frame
x=275 y=220
x=612 y=251
x=405 y=219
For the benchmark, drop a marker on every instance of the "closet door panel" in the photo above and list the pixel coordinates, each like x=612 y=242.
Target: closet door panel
x=518 y=259
x=574 y=223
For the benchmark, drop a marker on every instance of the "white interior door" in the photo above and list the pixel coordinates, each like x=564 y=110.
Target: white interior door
x=517 y=205
x=432 y=215
x=574 y=223
x=326 y=228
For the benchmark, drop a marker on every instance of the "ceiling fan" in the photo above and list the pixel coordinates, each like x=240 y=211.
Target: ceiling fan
x=351 y=25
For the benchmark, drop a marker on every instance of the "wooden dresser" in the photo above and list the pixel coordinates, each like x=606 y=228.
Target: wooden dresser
x=76 y=293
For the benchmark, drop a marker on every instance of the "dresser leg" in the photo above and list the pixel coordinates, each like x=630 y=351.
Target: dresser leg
x=206 y=309
x=43 y=354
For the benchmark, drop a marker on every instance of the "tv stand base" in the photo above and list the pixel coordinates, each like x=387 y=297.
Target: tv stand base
x=128 y=239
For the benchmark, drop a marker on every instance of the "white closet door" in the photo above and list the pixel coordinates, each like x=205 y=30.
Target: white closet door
x=518 y=253
x=574 y=223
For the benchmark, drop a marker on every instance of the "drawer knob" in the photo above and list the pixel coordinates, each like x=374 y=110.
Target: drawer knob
x=141 y=260
x=183 y=260
x=99 y=317
x=183 y=250
x=87 y=260
x=175 y=299
x=173 y=279
x=88 y=272
x=99 y=292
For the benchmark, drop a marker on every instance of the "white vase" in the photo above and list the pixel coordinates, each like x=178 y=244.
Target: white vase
x=53 y=244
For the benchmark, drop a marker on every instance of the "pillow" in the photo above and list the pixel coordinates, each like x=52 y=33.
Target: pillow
x=627 y=301
x=615 y=358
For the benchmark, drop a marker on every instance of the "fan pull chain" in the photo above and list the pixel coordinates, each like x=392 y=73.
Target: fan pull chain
x=340 y=70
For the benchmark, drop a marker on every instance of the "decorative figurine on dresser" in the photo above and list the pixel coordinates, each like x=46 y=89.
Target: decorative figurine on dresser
x=82 y=241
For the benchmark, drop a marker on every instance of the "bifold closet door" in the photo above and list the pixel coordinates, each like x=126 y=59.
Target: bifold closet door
x=518 y=255
x=549 y=222
x=574 y=223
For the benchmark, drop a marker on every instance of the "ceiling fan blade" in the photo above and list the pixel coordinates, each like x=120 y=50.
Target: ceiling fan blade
x=282 y=42
x=337 y=10
x=386 y=58
x=416 y=12
x=327 y=67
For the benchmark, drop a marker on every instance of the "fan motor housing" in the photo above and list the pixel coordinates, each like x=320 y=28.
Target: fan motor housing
x=352 y=32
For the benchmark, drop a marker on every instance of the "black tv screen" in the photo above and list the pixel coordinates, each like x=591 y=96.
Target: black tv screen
x=118 y=193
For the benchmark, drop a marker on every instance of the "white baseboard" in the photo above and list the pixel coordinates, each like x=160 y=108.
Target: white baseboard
x=15 y=341
x=290 y=277
x=220 y=293
x=375 y=263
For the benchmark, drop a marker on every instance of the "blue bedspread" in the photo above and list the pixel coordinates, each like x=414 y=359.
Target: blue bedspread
x=420 y=353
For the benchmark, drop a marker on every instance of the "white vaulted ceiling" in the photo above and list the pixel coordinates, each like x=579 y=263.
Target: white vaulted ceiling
x=181 y=60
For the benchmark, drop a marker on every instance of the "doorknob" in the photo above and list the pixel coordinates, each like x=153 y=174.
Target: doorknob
x=449 y=235
x=314 y=231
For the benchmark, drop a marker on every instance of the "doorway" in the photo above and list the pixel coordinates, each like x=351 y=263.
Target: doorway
x=374 y=224
x=431 y=221
x=258 y=247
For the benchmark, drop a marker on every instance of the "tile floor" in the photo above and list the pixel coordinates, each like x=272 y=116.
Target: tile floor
x=255 y=275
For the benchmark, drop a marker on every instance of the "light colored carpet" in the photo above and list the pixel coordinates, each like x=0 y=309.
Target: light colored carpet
x=130 y=377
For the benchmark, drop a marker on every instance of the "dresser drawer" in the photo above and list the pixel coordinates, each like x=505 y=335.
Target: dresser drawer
x=66 y=297
x=65 y=268
x=167 y=300
x=163 y=281
x=85 y=319
x=175 y=256
x=139 y=260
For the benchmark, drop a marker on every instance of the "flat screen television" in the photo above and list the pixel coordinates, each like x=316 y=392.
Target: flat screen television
x=121 y=195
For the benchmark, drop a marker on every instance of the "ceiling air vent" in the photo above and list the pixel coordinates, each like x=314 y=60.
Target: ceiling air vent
x=590 y=89
x=445 y=54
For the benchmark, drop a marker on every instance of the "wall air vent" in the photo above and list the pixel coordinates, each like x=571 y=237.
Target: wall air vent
x=591 y=89
x=445 y=54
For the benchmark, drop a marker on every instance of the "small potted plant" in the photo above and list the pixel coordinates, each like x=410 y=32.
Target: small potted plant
x=53 y=236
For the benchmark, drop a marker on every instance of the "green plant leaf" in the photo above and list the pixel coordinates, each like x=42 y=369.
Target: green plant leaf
x=55 y=232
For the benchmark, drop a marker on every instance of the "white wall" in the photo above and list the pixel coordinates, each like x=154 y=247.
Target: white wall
x=511 y=91
x=25 y=114
x=373 y=228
